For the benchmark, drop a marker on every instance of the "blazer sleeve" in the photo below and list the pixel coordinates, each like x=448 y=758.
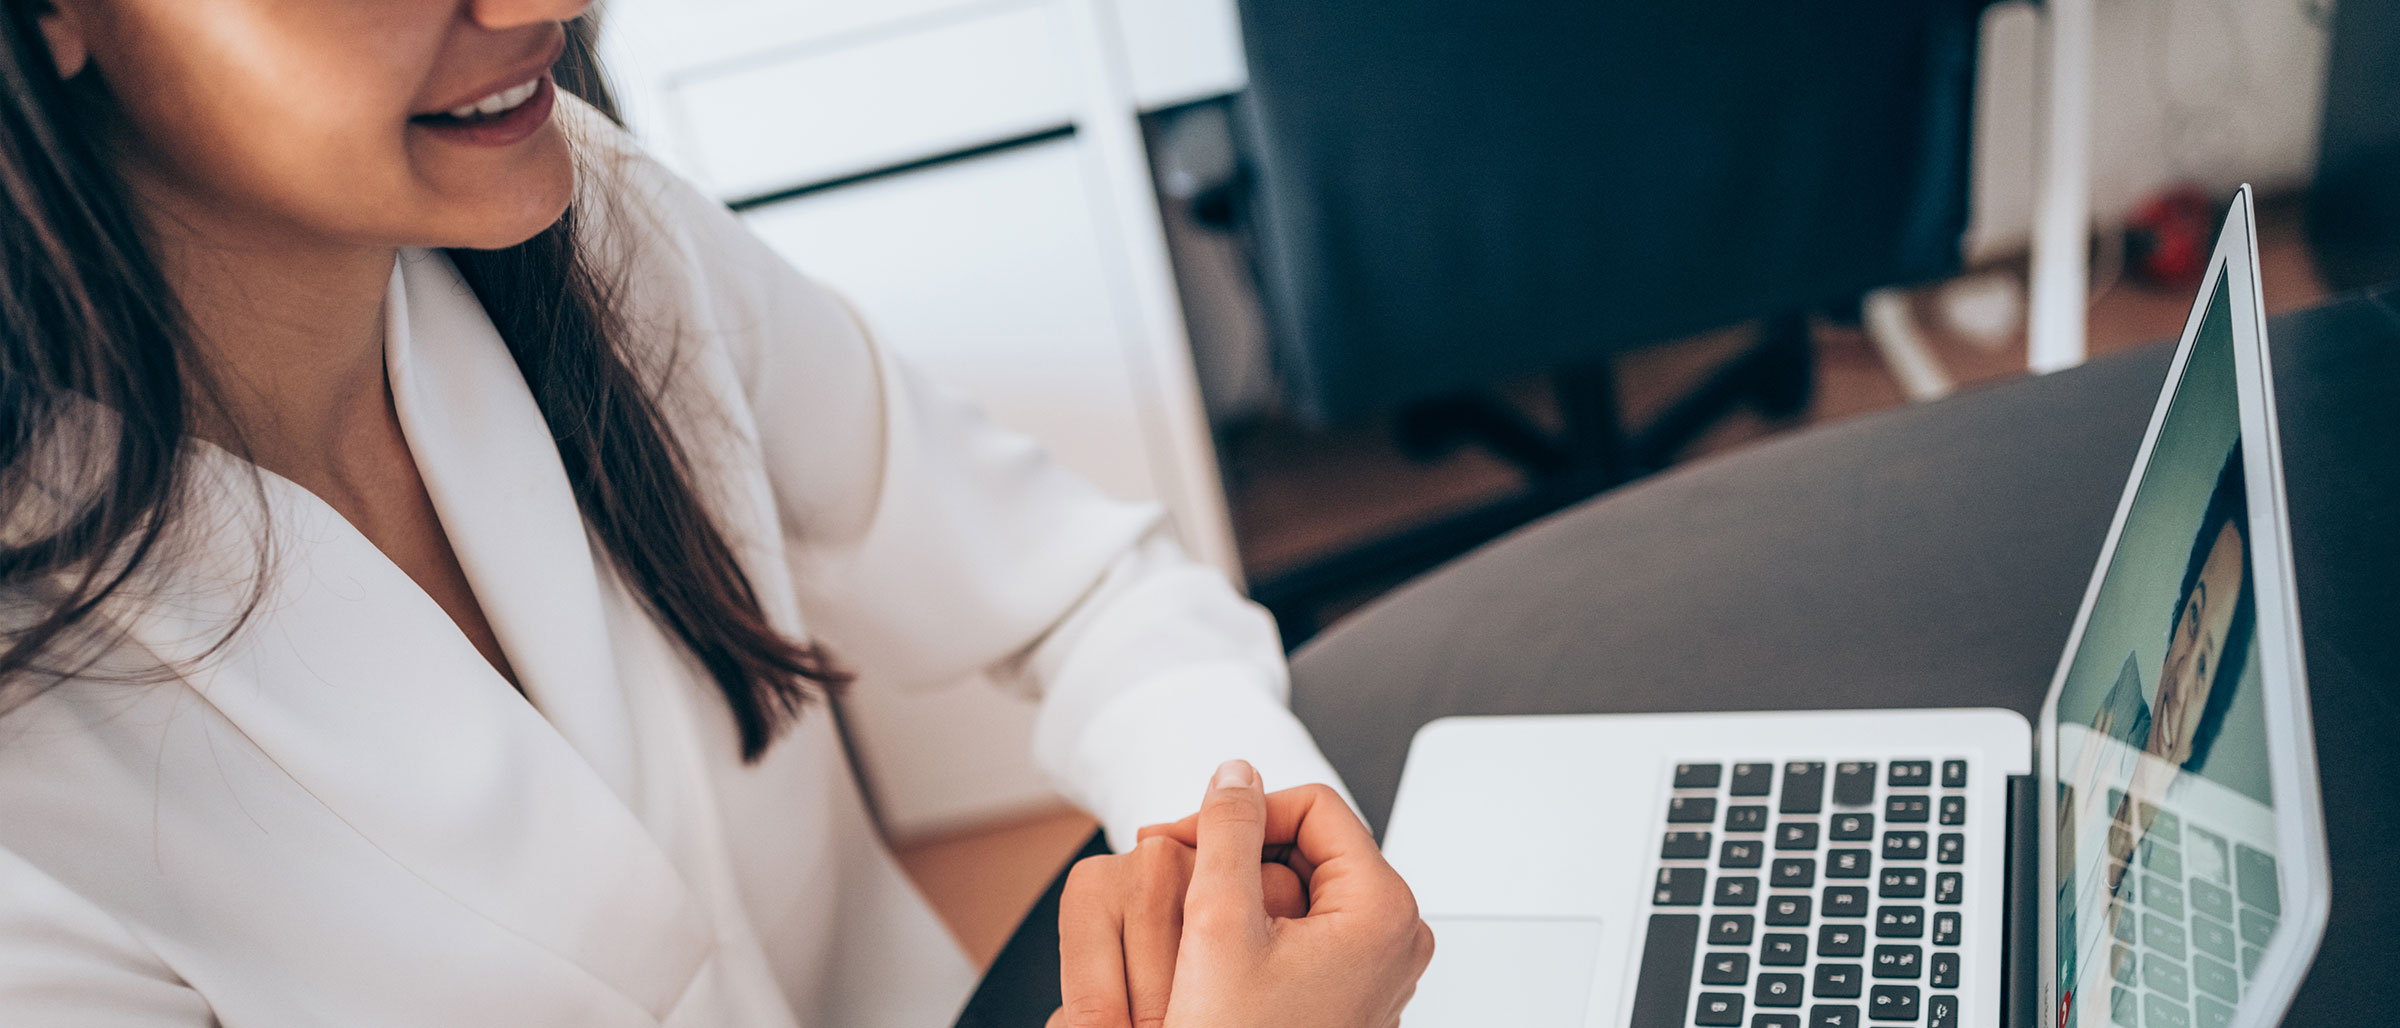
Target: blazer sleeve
x=925 y=544
x=65 y=963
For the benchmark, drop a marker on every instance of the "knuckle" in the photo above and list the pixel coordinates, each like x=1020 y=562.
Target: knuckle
x=1091 y=1012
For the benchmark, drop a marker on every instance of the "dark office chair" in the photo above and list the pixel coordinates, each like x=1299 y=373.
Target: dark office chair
x=1442 y=196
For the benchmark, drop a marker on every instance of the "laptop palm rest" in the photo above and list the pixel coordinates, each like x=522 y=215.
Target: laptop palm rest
x=1522 y=972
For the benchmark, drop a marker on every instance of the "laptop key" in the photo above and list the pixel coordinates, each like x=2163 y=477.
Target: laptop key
x=1945 y=970
x=1911 y=774
x=1953 y=810
x=1666 y=974
x=1851 y=827
x=1951 y=848
x=1854 y=783
x=1949 y=888
x=1746 y=819
x=1803 y=787
x=1729 y=930
x=1684 y=846
x=1841 y=940
x=1903 y=845
x=1753 y=779
x=1774 y=1021
x=1839 y=981
x=1796 y=835
x=1941 y=1012
x=1787 y=911
x=1792 y=873
x=1945 y=928
x=1780 y=990
x=1832 y=1015
x=1680 y=887
x=1954 y=774
x=1901 y=883
x=1718 y=1010
x=1742 y=853
x=1900 y=922
x=1897 y=961
x=1907 y=809
x=1697 y=776
x=1892 y=1003
x=1725 y=969
x=1737 y=891
x=1845 y=901
x=1691 y=810
x=1848 y=863
x=1783 y=949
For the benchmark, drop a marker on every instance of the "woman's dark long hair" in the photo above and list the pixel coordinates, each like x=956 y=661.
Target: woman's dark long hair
x=86 y=315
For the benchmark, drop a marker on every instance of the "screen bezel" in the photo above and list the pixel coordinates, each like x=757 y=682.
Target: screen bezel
x=2291 y=749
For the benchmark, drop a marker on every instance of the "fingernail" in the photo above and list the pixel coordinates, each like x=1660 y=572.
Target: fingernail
x=1233 y=774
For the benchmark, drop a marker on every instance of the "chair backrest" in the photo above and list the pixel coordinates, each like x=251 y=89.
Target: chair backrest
x=1450 y=194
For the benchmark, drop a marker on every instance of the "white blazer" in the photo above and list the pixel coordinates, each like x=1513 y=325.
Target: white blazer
x=346 y=817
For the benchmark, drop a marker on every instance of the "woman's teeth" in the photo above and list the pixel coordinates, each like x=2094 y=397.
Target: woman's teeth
x=498 y=103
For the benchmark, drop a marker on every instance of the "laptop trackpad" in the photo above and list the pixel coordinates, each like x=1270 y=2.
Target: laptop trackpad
x=1520 y=972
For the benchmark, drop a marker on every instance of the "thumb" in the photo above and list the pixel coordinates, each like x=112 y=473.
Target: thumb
x=1233 y=837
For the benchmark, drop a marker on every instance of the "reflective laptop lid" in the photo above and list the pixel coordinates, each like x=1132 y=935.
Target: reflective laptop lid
x=2183 y=837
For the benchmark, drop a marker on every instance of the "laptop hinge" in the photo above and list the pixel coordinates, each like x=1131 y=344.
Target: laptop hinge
x=2021 y=933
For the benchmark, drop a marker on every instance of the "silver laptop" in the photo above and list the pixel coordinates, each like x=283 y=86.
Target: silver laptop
x=2149 y=855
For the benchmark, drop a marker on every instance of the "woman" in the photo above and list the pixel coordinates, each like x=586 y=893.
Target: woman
x=431 y=533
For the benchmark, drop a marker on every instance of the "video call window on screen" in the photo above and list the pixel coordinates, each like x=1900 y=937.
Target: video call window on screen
x=2167 y=876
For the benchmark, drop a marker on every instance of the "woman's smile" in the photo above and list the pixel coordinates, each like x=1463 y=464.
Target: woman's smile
x=500 y=119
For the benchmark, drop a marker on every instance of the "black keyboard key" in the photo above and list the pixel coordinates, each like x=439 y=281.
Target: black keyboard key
x=1897 y=961
x=1845 y=901
x=1848 y=863
x=1945 y=970
x=1737 y=891
x=1780 y=990
x=1803 y=787
x=1892 y=1003
x=1742 y=853
x=1788 y=911
x=1684 y=846
x=2253 y=878
x=1851 y=827
x=1949 y=888
x=1746 y=819
x=1783 y=949
x=1729 y=930
x=1753 y=779
x=1903 y=845
x=1953 y=810
x=1951 y=848
x=1796 y=835
x=1954 y=774
x=1911 y=774
x=1774 y=1021
x=1725 y=969
x=1854 y=783
x=1718 y=1010
x=1680 y=887
x=1839 y=981
x=1666 y=975
x=1792 y=873
x=1941 y=1012
x=1899 y=922
x=1900 y=883
x=1841 y=940
x=1691 y=810
x=1945 y=928
x=1833 y=1015
x=1911 y=808
x=1697 y=776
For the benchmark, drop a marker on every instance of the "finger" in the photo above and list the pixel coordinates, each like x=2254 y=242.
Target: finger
x=1091 y=954
x=1285 y=895
x=1312 y=821
x=1225 y=880
x=1153 y=912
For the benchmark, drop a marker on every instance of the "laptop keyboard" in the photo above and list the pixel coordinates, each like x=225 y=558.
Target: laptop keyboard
x=2189 y=916
x=1808 y=894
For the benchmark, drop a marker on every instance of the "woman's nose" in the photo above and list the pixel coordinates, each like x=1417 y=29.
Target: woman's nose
x=502 y=14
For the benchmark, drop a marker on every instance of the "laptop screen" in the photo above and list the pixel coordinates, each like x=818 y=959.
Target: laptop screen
x=2167 y=887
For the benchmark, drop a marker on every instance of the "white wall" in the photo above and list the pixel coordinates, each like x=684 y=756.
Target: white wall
x=2216 y=91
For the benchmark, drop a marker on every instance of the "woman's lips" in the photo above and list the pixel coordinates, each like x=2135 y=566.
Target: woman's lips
x=504 y=130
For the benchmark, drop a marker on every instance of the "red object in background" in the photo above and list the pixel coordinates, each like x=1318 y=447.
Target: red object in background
x=2167 y=238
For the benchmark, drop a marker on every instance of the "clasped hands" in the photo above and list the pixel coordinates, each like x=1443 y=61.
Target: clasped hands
x=1258 y=910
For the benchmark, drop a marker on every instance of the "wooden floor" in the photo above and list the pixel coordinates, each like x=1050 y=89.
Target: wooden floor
x=1297 y=494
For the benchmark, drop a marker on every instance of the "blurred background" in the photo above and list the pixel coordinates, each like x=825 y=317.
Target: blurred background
x=1351 y=288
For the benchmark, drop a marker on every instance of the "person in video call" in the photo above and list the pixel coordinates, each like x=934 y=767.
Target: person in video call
x=432 y=537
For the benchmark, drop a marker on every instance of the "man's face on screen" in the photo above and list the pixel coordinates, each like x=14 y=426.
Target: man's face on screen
x=2195 y=648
